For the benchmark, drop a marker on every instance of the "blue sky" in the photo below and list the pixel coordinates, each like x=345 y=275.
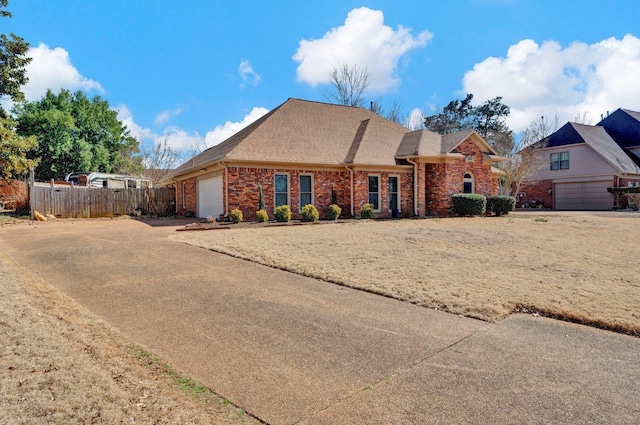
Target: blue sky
x=194 y=72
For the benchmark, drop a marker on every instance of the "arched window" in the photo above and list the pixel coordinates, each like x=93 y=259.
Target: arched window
x=468 y=183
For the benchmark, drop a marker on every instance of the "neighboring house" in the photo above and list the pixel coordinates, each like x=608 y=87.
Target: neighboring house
x=579 y=162
x=305 y=152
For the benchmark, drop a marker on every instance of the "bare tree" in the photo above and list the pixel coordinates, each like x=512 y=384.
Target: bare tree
x=348 y=83
x=393 y=113
x=523 y=161
x=159 y=161
x=583 y=118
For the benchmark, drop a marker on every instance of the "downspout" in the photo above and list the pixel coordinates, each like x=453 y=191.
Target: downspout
x=226 y=189
x=351 y=196
x=415 y=186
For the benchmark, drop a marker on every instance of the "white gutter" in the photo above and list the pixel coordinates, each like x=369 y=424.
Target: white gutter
x=415 y=186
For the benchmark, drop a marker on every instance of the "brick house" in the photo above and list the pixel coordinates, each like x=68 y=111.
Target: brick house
x=305 y=152
x=579 y=162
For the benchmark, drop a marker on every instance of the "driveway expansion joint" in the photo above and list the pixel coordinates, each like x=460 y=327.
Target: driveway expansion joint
x=396 y=373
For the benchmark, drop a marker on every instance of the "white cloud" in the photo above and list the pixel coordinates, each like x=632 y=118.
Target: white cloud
x=415 y=121
x=126 y=116
x=247 y=74
x=180 y=139
x=164 y=116
x=364 y=41
x=548 y=79
x=228 y=129
x=52 y=69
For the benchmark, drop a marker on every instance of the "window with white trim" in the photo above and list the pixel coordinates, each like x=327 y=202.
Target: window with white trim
x=306 y=189
x=281 y=189
x=394 y=193
x=374 y=192
x=559 y=161
x=468 y=183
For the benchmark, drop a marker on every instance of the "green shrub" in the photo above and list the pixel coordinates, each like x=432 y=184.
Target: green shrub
x=334 y=211
x=262 y=216
x=500 y=205
x=283 y=213
x=367 y=211
x=235 y=215
x=309 y=213
x=468 y=204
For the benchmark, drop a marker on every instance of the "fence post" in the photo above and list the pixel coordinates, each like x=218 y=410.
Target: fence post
x=32 y=194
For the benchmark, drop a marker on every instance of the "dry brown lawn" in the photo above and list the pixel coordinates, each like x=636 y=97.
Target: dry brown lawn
x=578 y=267
x=61 y=365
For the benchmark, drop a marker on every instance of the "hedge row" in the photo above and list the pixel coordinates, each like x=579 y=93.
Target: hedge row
x=471 y=204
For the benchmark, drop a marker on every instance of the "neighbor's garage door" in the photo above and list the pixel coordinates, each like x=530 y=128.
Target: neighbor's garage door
x=583 y=196
x=210 y=197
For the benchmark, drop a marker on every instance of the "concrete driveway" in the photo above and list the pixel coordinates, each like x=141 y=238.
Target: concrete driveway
x=294 y=350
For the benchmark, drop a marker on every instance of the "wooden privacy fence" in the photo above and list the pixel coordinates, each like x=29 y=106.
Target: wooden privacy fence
x=88 y=202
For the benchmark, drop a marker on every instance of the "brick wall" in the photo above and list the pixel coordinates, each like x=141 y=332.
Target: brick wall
x=244 y=193
x=186 y=201
x=623 y=201
x=361 y=192
x=445 y=180
x=532 y=192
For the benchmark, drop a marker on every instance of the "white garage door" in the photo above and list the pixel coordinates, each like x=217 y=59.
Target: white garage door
x=583 y=196
x=210 y=197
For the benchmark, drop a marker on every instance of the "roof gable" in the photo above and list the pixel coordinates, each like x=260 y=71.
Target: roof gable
x=427 y=143
x=624 y=127
x=598 y=139
x=565 y=135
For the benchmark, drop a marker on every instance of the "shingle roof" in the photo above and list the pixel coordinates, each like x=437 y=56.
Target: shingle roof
x=301 y=131
x=601 y=142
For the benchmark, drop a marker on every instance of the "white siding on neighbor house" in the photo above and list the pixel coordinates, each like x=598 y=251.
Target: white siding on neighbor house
x=583 y=161
x=635 y=150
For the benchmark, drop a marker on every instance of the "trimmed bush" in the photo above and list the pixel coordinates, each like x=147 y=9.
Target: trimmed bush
x=334 y=211
x=309 y=213
x=500 y=205
x=468 y=204
x=366 y=211
x=262 y=216
x=235 y=215
x=282 y=213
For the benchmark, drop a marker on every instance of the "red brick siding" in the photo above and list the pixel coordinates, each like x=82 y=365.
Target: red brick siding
x=531 y=192
x=244 y=192
x=422 y=193
x=361 y=192
x=190 y=198
x=624 y=182
x=623 y=201
x=444 y=180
